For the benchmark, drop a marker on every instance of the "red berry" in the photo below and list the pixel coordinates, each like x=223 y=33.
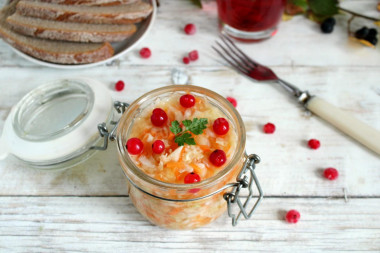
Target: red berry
x=158 y=117
x=192 y=178
x=232 y=101
x=314 y=144
x=158 y=147
x=190 y=29
x=292 y=216
x=218 y=157
x=221 y=126
x=119 y=86
x=186 y=60
x=269 y=128
x=134 y=146
x=193 y=55
x=187 y=101
x=331 y=173
x=145 y=52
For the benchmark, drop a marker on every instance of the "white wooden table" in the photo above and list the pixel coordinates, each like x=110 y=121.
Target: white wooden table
x=85 y=209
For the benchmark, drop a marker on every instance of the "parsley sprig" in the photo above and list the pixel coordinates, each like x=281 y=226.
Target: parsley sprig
x=195 y=126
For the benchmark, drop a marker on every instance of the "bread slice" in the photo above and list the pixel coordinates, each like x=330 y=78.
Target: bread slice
x=77 y=32
x=88 y=2
x=120 y=14
x=53 y=51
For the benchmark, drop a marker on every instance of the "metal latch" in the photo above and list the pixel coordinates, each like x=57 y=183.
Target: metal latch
x=244 y=181
x=102 y=127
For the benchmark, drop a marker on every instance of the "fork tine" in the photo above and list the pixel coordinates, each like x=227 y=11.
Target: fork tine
x=233 y=58
x=238 y=49
x=234 y=65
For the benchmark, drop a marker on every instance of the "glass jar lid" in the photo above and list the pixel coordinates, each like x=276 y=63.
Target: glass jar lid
x=56 y=122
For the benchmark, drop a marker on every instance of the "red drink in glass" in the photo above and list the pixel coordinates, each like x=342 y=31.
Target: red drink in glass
x=250 y=20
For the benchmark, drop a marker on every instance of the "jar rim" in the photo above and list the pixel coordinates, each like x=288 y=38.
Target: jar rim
x=209 y=182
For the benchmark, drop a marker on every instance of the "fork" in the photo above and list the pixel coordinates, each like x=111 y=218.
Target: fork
x=361 y=132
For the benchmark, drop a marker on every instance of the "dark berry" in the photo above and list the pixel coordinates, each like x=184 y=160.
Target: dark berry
x=327 y=26
x=314 y=143
x=119 y=86
x=372 y=32
x=190 y=29
x=186 y=60
x=187 y=101
x=158 y=147
x=134 y=146
x=193 y=55
x=159 y=117
x=232 y=101
x=145 y=52
x=362 y=33
x=292 y=216
x=269 y=128
x=331 y=173
x=192 y=178
x=218 y=157
x=221 y=126
x=372 y=40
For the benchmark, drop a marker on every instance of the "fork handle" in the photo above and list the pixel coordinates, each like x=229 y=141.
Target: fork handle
x=345 y=122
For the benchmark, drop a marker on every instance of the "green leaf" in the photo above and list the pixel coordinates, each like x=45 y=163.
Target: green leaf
x=300 y=3
x=175 y=128
x=184 y=138
x=325 y=8
x=197 y=125
x=197 y=2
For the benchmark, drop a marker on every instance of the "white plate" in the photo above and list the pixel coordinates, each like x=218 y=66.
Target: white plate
x=120 y=48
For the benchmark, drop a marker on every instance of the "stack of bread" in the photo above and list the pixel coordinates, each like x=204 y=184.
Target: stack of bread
x=70 y=31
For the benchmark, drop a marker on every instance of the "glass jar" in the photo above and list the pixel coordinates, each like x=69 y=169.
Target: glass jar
x=187 y=206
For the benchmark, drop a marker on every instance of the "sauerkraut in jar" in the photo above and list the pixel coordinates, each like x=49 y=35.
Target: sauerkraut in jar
x=179 y=145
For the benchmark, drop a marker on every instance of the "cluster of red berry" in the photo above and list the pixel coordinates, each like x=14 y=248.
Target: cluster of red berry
x=159 y=117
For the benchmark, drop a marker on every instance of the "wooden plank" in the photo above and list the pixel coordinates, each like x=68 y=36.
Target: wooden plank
x=298 y=42
x=288 y=166
x=98 y=224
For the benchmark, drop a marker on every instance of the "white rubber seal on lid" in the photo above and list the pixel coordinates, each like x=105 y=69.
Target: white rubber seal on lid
x=36 y=142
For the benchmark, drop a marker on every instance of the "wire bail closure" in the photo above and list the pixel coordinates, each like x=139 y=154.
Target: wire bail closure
x=244 y=181
x=102 y=127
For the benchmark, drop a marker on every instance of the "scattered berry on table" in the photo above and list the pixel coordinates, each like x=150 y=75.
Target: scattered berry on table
x=158 y=147
x=190 y=29
x=372 y=40
x=187 y=100
x=159 y=117
x=232 y=101
x=145 y=52
x=314 y=143
x=292 y=216
x=134 y=146
x=193 y=55
x=186 y=60
x=269 y=128
x=331 y=173
x=327 y=25
x=119 y=85
x=192 y=178
x=362 y=33
x=221 y=126
x=218 y=157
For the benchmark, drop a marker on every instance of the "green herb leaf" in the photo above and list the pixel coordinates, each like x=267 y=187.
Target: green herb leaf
x=175 y=128
x=299 y=3
x=184 y=138
x=196 y=126
x=325 y=8
x=197 y=2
